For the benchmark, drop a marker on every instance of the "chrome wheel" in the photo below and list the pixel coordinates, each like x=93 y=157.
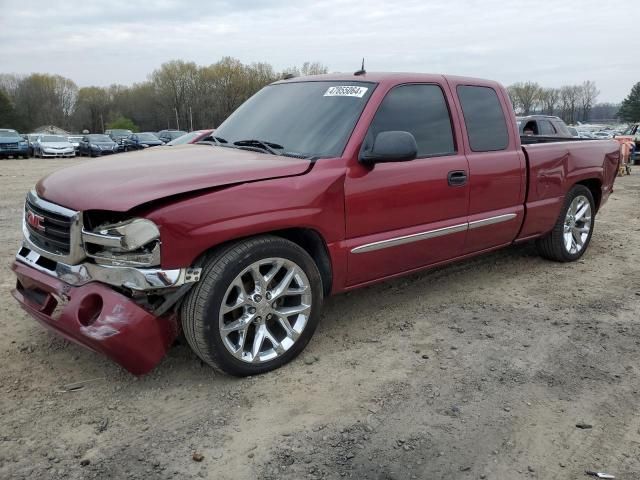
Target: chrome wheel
x=577 y=224
x=265 y=310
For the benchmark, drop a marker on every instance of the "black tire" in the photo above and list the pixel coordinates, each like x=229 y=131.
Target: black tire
x=552 y=245
x=200 y=310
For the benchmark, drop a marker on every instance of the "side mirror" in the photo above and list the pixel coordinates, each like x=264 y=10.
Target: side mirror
x=391 y=146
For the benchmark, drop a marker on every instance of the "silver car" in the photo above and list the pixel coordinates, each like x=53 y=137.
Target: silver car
x=48 y=146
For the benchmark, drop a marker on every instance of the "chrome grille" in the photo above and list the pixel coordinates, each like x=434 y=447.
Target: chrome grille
x=52 y=230
x=8 y=146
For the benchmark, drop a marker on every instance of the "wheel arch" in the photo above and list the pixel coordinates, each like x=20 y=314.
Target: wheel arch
x=308 y=239
x=595 y=187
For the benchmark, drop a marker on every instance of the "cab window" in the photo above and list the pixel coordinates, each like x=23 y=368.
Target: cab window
x=484 y=118
x=420 y=109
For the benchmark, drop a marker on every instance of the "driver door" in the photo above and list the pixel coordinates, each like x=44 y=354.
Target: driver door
x=407 y=215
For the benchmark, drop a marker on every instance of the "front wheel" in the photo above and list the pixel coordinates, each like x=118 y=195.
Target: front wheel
x=255 y=307
x=572 y=232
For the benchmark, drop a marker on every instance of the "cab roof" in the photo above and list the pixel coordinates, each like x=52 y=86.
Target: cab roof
x=390 y=78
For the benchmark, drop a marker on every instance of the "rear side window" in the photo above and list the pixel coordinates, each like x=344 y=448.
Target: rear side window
x=546 y=128
x=420 y=110
x=484 y=118
x=561 y=128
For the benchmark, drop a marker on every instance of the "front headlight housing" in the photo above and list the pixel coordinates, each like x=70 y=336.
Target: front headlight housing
x=134 y=242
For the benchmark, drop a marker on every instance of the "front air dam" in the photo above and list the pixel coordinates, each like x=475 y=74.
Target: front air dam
x=96 y=317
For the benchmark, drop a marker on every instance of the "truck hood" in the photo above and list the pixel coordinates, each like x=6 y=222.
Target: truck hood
x=123 y=182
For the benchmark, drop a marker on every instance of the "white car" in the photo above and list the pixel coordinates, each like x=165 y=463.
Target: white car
x=602 y=135
x=48 y=146
x=75 y=141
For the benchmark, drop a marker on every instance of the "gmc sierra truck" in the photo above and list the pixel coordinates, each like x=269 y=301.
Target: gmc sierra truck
x=314 y=186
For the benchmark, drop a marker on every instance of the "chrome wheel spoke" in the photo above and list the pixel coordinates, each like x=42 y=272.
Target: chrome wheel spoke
x=277 y=346
x=240 y=302
x=274 y=270
x=283 y=285
x=258 y=341
x=288 y=311
x=580 y=213
x=241 y=324
x=290 y=332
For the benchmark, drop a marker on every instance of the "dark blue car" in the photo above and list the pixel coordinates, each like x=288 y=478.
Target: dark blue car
x=97 y=145
x=138 y=141
x=12 y=144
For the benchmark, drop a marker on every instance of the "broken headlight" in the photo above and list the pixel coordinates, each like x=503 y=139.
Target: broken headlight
x=134 y=242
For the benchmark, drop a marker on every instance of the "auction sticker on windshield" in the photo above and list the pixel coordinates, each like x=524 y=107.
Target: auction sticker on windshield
x=346 y=91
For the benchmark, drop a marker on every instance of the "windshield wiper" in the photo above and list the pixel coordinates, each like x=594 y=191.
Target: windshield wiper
x=217 y=141
x=261 y=144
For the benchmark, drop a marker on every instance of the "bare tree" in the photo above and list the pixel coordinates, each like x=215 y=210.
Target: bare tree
x=588 y=96
x=549 y=98
x=525 y=96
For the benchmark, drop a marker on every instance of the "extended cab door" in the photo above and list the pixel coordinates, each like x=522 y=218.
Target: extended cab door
x=406 y=215
x=497 y=165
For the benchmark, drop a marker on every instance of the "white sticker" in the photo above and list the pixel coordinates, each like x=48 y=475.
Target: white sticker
x=346 y=91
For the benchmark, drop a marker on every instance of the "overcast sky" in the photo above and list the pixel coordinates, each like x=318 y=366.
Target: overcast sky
x=114 y=41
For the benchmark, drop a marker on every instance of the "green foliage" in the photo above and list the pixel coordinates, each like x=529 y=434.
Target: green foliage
x=630 y=108
x=123 y=123
x=178 y=94
x=8 y=117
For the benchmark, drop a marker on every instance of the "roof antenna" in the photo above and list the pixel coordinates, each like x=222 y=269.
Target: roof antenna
x=362 y=71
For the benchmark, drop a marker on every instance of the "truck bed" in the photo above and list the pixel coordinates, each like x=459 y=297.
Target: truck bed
x=556 y=164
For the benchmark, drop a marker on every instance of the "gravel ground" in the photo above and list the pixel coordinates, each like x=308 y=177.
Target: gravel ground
x=482 y=369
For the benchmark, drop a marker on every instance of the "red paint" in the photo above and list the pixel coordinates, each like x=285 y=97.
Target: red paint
x=202 y=196
x=122 y=331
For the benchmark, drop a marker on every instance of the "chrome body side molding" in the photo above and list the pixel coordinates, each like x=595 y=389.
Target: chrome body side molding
x=439 y=232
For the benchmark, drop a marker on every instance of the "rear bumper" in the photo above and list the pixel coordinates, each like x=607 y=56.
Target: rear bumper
x=96 y=317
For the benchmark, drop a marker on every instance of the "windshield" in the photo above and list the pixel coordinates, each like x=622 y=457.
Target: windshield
x=310 y=119
x=54 y=138
x=100 y=138
x=9 y=135
x=147 y=136
x=174 y=134
x=186 y=138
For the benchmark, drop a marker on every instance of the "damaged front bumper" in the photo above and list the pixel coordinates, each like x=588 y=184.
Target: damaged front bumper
x=79 y=303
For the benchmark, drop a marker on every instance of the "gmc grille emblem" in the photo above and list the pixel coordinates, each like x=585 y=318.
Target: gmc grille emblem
x=35 y=221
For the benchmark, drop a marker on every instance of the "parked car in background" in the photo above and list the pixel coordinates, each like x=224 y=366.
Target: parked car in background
x=118 y=135
x=345 y=181
x=96 y=145
x=12 y=144
x=75 y=141
x=543 y=126
x=574 y=132
x=138 y=141
x=602 y=135
x=167 y=135
x=585 y=134
x=193 y=137
x=31 y=142
x=50 y=146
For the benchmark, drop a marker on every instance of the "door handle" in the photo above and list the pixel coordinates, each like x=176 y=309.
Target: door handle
x=457 y=178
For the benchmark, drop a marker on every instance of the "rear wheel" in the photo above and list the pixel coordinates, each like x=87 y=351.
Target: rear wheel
x=572 y=232
x=255 y=307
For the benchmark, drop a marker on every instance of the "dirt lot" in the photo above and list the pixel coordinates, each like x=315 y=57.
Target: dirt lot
x=482 y=369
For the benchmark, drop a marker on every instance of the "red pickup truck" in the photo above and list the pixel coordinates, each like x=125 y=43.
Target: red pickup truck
x=314 y=186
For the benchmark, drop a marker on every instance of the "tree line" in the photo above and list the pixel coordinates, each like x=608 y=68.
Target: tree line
x=187 y=96
x=176 y=95
x=572 y=103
